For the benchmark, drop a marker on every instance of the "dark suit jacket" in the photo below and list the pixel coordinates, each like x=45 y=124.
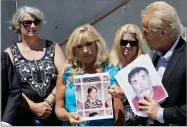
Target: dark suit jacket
x=11 y=94
x=174 y=81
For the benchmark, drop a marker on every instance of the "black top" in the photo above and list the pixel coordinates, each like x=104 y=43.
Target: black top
x=10 y=85
x=131 y=119
x=39 y=76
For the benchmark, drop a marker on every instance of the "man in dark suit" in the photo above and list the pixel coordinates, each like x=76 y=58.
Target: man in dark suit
x=162 y=30
x=142 y=85
x=11 y=94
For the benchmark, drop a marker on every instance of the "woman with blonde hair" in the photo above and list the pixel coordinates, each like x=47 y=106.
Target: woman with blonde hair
x=128 y=45
x=86 y=52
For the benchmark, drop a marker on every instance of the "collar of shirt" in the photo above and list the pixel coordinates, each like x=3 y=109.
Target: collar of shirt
x=170 y=52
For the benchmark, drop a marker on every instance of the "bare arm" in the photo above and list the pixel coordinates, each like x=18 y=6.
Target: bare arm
x=60 y=110
x=117 y=94
x=27 y=103
x=59 y=61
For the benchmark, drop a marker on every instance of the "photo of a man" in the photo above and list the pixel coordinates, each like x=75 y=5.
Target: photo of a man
x=142 y=85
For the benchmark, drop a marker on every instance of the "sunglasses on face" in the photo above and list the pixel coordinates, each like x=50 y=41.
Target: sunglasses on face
x=131 y=43
x=29 y=22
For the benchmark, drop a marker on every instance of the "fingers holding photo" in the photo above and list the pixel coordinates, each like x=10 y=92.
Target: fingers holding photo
x=149 y=106
x=116 y=91
x=74 y=119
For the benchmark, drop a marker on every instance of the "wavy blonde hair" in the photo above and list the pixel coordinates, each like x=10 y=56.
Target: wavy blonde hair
x=163 y=17
x=116 y=57
x=83 y=34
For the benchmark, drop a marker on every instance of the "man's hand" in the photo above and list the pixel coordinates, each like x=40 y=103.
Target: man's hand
x=116 y=91
x=149 y=106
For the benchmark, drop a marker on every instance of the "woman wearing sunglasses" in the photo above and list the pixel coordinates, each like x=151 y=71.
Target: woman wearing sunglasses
x=38 y=62
x=128 y=45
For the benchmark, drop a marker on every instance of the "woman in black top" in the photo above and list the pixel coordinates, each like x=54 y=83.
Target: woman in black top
x=38 y=62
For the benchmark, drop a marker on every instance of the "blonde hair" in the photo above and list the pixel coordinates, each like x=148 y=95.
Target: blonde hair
x=163 y=17
x=19 y=15
x=83 y=34
x=116 y=57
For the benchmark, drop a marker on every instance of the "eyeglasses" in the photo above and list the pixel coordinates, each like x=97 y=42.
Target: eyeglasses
x=131 y=43
x=29 y=22
x=147 y=34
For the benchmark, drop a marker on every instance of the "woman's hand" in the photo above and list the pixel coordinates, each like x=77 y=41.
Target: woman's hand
x=42 y=110
x=116 y=91
x=74 y=119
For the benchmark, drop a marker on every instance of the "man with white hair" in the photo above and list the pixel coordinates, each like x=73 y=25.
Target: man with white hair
x=162 y=30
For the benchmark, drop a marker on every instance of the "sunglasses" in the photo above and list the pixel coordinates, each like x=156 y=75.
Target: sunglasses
x=29 y=22
x=131 y=43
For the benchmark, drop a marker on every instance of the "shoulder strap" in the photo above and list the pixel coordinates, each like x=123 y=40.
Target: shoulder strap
x=15 y=53
x=50 y=49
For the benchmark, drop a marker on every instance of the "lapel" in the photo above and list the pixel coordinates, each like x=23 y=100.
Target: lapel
x=155 y=59
x=173 y=61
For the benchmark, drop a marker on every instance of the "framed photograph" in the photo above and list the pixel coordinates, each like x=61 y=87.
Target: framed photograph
x=92 y=98
x=139 y=79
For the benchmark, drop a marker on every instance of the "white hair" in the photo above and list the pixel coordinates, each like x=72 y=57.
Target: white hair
x=163 y=16
x=19 y=15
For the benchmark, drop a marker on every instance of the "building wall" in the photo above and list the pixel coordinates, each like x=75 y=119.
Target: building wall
x=63 y=16
x=7 y=36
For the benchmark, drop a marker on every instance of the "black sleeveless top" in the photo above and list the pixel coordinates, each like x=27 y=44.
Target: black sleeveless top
x=38 y=76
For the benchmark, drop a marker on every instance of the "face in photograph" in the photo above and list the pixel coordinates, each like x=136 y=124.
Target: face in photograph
x=141 y=82
x=107 y=96
x=92 y=94
x=92 y=100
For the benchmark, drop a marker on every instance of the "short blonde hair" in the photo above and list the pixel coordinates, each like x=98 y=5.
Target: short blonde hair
x=116 y=57
x=163 y=17
x=83 y=34
x=19 y=15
